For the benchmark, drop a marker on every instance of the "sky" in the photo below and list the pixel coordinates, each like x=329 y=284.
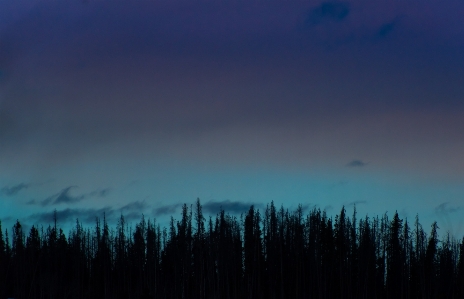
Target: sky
x=136 y=107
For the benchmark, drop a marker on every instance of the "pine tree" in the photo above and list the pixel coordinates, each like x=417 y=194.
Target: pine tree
x=18 y=259
x=430 y=263
x=199 y=252
x=341 y=254
x=32 y=251
x=3 y=263
x=367 y=259
x=460 y=272
x=253 y=255
x=395 y=259
x=302 y=256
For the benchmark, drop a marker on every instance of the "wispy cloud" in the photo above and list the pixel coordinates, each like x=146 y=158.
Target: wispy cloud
x=166 y=209
x=228 y=206
x=131 y=211
x=99 y=193
x=134 y=206
x=444 y=209
x=357 y=163
x=328 y=12
x=11 y=191
x=212 y=207
x=386 y=28
x=308 y=207
x=66 y=215
x=64 y=197
x=446 y=215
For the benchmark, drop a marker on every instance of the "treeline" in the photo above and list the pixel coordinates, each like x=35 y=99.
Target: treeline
x=270 y=254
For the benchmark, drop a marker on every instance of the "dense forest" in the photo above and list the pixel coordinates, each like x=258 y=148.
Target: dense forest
x=262 y=254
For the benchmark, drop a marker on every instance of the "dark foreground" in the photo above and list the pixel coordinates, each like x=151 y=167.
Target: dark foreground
x=270 y=254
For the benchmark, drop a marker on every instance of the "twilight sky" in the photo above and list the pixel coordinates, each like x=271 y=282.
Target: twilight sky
x=138 y=106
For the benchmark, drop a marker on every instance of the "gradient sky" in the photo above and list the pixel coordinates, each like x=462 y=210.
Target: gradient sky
x=139 y=106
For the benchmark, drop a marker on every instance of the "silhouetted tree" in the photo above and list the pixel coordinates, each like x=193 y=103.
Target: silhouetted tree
x=281 y=255
x=460 y=272
x=4 y=263
x=395 y=259
x=254 y=259
x=430 y=263
x=341 y=255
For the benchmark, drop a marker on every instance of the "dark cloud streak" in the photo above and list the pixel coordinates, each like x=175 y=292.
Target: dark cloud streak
x=212 y=207
x=131 y=211
x=328 y=12
x=357 y=163
x=11 y=191
x=385 y=29
x=444 y=209
x=67 y=215
x=134 y=206
x=166 y=209
x=233 y=207
x=64 y=197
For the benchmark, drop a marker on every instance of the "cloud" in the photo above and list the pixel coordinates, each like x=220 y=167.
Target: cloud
x=357 y=163
x=67 y=215
x=11 y=191
x=64 y=197
x=99 y=193
x=444 y=209
x=227 y=206
x=445 y=217
x=328 y=12
x=136 y=205
x=131 y=211
x=209 y=207
x=385 y=29
x=308 y=207
x=104 y=192
x=166 y=210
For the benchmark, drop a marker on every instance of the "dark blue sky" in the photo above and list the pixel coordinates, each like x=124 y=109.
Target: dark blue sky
x=137 y=106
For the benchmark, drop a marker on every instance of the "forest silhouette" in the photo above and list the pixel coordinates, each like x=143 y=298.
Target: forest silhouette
x=272 y=253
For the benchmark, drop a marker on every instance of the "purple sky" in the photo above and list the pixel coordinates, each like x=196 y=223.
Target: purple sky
x=137 y=106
